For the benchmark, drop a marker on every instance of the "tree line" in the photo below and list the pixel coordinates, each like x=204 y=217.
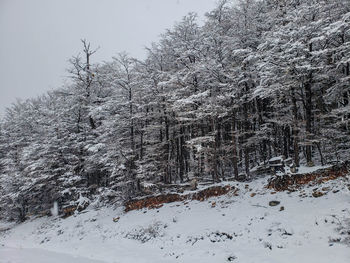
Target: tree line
x=259 y=79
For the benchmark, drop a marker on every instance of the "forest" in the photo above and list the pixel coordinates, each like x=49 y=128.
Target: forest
x=212 y=101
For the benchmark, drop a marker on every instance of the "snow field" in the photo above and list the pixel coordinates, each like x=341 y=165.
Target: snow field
x=241 y=228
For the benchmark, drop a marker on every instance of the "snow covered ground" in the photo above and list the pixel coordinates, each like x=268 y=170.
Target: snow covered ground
x=229 y=228
x=40 y=256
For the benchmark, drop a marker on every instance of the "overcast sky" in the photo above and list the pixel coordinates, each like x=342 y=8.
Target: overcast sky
x=37 y=37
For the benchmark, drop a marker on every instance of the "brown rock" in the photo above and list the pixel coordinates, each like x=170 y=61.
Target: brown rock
x=157 y=201
x=274 y=203
x=317 y=194
x=292 y=182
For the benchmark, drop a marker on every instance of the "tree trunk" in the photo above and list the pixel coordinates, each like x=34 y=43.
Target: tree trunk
x=234 y=145
x=308 y=119
x=295 y=130
x=215 y=156
x=131 y=122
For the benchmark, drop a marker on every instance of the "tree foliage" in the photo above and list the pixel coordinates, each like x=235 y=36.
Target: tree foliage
x=259 y=79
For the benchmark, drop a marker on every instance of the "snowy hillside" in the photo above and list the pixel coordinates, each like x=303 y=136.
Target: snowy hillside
x=242 y=228
x=229 y=141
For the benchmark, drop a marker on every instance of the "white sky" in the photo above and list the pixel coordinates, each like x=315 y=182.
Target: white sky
x=37 y=37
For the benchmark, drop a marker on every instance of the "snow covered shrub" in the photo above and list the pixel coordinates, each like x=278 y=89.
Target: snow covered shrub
x=344 y=231
x=145 y=234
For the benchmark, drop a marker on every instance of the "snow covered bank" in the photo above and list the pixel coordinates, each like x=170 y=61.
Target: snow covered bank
x=241 y=228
